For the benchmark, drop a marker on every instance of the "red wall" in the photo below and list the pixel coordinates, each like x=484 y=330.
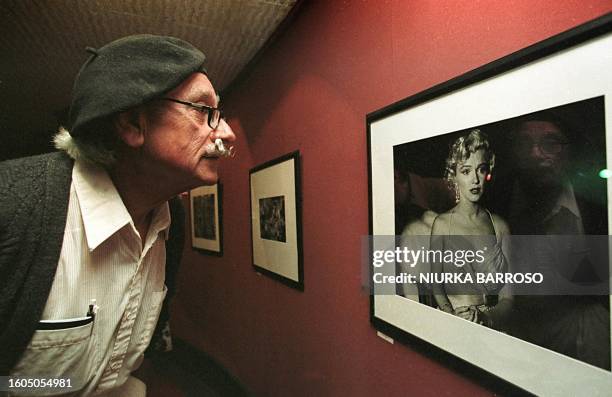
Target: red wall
x=311 y=91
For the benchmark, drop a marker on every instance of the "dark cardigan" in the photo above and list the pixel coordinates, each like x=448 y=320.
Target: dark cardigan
x=34 y=194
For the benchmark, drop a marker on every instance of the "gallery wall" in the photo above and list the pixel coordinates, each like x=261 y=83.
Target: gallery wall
x=310 y=91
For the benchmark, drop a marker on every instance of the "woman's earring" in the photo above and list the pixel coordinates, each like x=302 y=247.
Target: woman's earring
x=457 y=196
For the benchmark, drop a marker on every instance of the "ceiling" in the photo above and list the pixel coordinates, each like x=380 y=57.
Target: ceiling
x=42 y=46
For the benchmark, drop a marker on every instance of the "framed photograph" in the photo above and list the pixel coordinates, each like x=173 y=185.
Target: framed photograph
x=276 y=221
x=206 y=218
x=517 y=150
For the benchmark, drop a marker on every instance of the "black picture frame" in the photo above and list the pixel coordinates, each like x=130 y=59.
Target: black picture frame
x=572 y=67
x=206 y=219
x=276 y=219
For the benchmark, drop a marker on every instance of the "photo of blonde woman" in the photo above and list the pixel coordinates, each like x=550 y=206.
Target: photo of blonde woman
x=470 y=226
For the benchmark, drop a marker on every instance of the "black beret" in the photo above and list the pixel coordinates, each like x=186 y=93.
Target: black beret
x=129 y=72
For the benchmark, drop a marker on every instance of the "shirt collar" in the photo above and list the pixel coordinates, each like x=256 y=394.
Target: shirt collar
x=567 y=199
x=102 y=209
x=160 y=222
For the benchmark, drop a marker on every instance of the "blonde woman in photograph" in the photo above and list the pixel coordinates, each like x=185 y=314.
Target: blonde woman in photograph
x=469 y=226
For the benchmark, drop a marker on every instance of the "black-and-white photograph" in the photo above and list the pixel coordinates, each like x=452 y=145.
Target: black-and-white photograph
x=206 y=219
x=276 y=221
x=272 y=218
x=204 y=216
x=515 y=154
x=538 y=174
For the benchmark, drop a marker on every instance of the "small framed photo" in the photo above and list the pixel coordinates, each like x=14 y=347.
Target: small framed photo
x=276 y=221
x=206 y=228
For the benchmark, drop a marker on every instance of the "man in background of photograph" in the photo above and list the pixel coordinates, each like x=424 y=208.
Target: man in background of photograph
x=545 y=202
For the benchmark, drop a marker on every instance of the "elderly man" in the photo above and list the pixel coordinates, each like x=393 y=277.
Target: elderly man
x=547 y=203
x=550 y=205
x=89 y=235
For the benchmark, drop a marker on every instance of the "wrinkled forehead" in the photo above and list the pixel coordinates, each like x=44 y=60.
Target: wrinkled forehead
x=196 y=88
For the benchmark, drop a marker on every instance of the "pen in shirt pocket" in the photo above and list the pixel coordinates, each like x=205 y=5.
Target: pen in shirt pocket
x=93 y=309
x=64 y=324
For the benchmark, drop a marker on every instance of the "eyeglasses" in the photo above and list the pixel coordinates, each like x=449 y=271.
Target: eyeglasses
x=214 y=115
x=546 y=145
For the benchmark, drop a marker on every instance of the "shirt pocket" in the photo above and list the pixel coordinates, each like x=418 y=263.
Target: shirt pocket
x=151 y=315
x=61 y=349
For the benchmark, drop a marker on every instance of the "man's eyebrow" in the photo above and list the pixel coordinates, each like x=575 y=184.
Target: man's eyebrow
x=207 y=97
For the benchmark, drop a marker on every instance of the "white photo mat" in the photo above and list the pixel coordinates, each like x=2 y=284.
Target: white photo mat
x=278 y=180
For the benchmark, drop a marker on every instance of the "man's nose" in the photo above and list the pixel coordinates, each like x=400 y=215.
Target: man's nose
x=536 y=152
x=224 y=132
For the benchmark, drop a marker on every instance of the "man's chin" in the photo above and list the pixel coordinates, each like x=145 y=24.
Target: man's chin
x=207 y=171
x=208 y=179
x=198 y=179
x=542 y=182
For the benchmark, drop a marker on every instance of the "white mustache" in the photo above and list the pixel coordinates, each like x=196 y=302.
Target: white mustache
x=218 y=149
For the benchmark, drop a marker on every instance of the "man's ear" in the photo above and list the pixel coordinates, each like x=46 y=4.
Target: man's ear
x=130 y=128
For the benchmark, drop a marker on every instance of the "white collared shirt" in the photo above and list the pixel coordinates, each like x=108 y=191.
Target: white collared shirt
x=102 y=258
x=567 y=199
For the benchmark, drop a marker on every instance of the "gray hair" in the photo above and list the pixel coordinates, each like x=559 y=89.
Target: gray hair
x=86 y=148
